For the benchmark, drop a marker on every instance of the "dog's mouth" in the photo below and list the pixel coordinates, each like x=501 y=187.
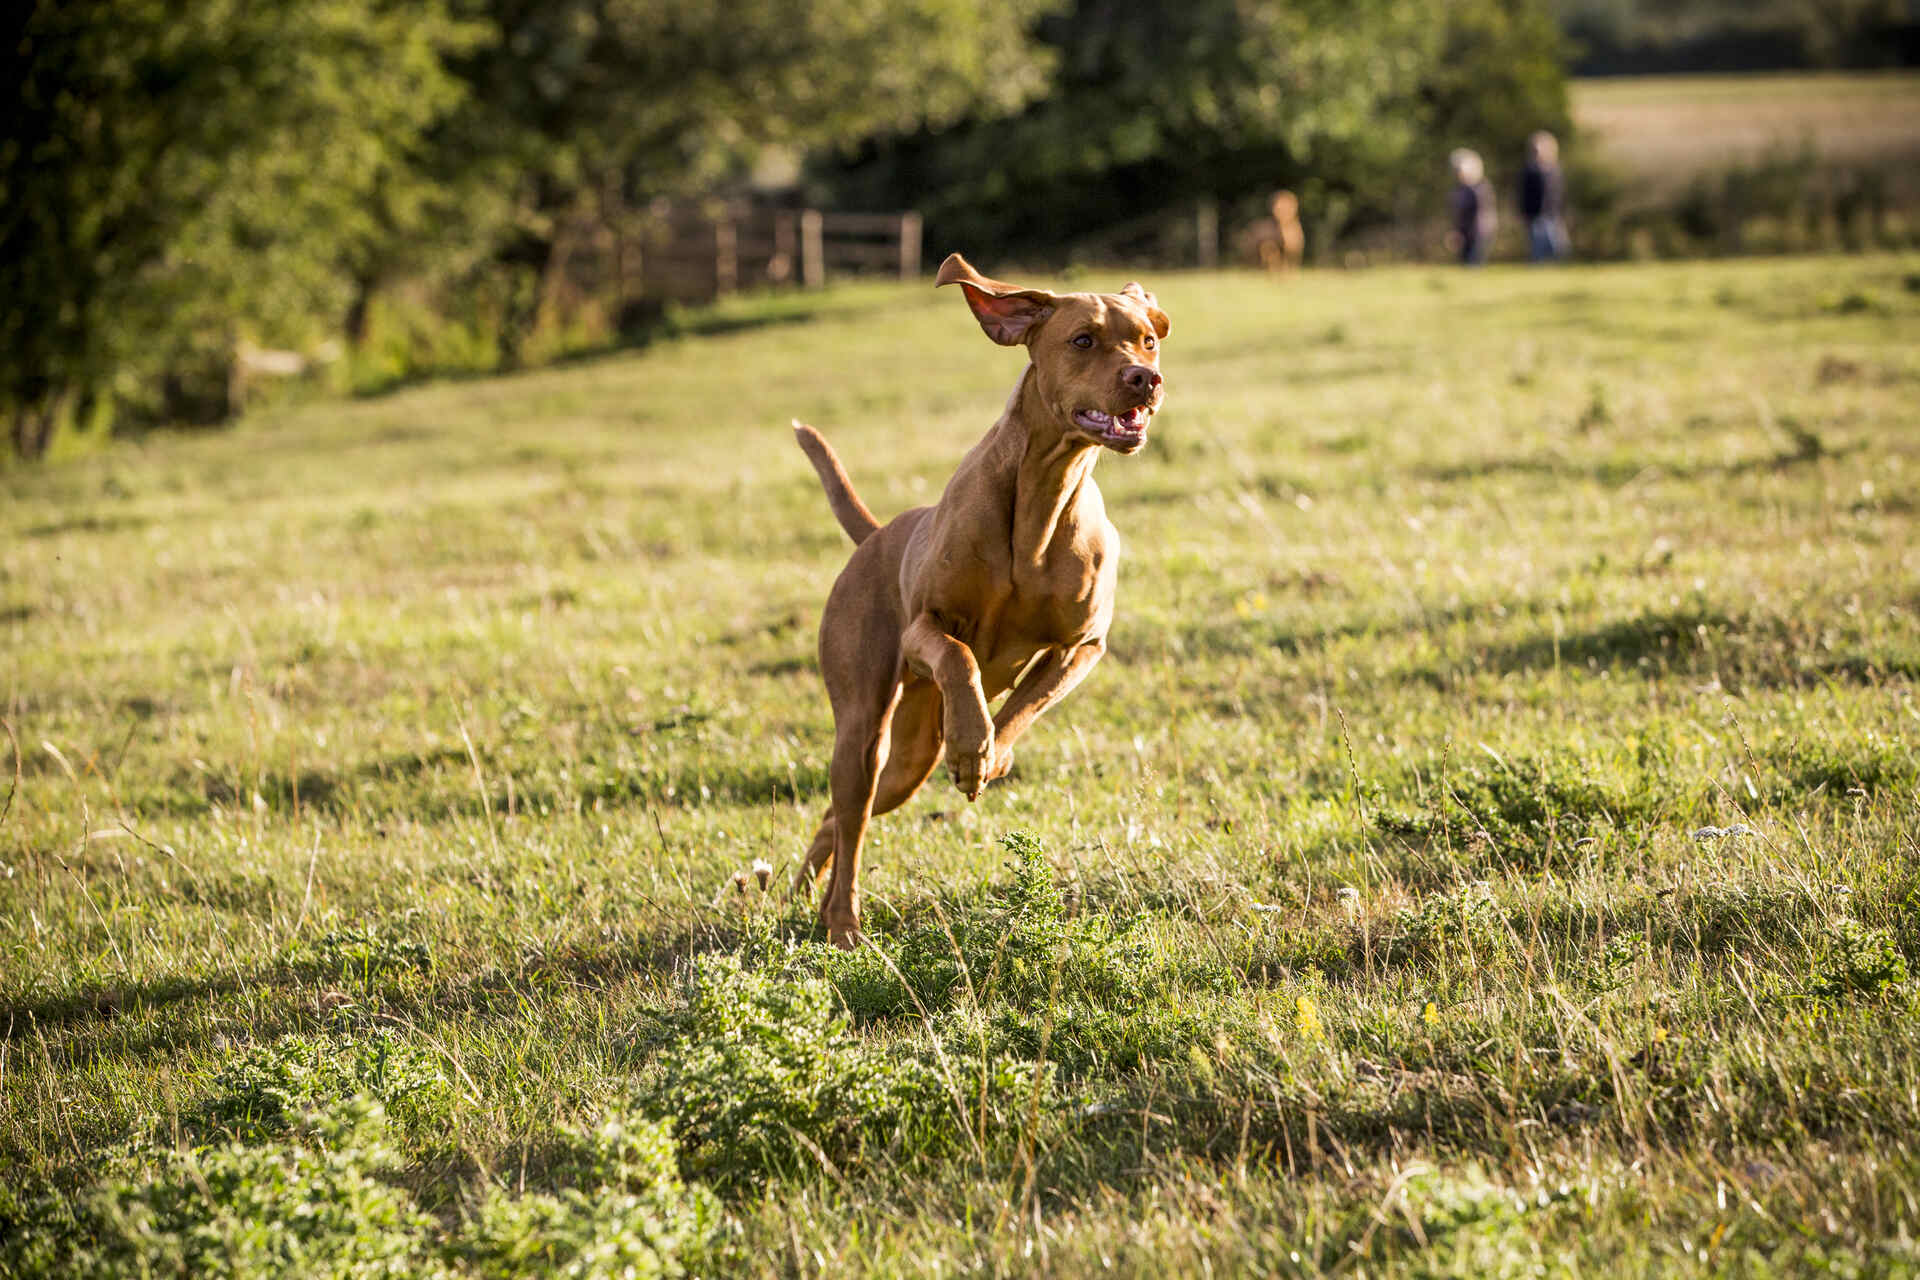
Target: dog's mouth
x=1124 y=432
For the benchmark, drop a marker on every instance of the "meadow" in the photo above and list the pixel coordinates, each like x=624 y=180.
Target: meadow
x=1489 y=847
x=1664 y=131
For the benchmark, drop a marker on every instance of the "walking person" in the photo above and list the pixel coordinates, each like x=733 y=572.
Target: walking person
x=1543 y=199
x=1471 y=203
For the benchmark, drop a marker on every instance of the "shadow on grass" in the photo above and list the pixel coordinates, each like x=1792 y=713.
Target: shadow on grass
x=89 y=523
x=437 y=785
x=640 y=331
x=1231 y=637
x=1614 y=473
x=1739 y=650
x=306 y=993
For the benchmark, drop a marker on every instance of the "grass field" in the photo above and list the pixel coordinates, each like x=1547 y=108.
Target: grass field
x=1666 y=130
x=1489 y=848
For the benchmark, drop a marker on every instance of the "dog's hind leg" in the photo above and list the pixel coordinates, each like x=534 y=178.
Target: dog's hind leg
x=859 y=742
x=912 y=750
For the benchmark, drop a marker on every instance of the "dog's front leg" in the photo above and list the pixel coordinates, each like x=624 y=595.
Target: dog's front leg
x=1051 y=679
x=933 y=652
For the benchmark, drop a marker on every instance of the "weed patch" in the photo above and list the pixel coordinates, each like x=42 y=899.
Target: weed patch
x=1523 y=813
x=1855 y=960
x=326 y=1196
x=265 y=1091
x=1464 y=927
x=319 y=1203
x=1024 y=951
x=367 y=956
x=765 y=1081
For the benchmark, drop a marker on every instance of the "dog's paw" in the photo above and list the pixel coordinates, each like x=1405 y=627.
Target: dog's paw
x=842 y=925
x=971 y=769
x=1002 y=764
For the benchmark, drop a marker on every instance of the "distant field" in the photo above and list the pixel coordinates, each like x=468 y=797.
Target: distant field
x=1489 y=848
x=1667 y=128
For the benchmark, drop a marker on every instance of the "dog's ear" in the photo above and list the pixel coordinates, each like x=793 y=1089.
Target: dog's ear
x=1155 y=316
x=1008 y=313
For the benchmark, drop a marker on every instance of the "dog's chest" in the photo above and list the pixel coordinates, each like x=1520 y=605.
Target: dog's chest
x=1061 y=598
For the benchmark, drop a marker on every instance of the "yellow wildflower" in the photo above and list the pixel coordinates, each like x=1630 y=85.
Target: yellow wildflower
x=1306 y=1020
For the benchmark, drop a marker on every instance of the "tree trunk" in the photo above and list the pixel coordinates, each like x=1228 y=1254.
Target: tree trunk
x=356 y=319
x=32 y=428
x=529 y=259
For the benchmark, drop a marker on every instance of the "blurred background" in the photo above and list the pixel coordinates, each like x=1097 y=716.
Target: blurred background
x=204 y=203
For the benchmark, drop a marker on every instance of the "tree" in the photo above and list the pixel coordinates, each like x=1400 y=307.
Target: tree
x=1160 y=103
x=180 y=175
x=620 y=101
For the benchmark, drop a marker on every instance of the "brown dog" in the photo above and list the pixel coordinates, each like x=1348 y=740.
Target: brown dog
x=1008 y=579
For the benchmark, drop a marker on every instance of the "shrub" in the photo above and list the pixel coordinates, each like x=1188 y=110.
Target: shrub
x=766 y=1080
x=325 y=1199
x=625 y=1214
x=1853 y=959
x=315 y=1205
x=1024 y=951
x=263 y=1092
x=1467 y=923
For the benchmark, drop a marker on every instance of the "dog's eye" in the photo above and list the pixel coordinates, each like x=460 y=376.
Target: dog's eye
x=1150 y=344
x=1083 y=341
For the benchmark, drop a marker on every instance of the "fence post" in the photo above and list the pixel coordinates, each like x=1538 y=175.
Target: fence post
x=782 y=269
x=813 y=250
x=726 y=256
x=909 y=245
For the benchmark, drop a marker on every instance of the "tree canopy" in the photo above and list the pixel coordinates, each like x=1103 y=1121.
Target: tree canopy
x=1159 y=105
x=181 y=176
x=178 y=175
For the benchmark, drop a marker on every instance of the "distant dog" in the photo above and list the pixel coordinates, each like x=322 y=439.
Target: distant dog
x=1006 y=583
x=1283 y=242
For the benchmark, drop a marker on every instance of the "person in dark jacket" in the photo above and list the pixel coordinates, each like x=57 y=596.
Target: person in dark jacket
x=1471 y=204
x=1543 y=199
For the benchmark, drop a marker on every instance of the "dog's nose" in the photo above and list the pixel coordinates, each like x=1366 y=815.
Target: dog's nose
x=1140 y=379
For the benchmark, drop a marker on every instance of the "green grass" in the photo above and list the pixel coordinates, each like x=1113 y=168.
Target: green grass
x=1489 y=847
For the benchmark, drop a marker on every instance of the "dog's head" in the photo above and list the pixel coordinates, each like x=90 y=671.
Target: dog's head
x=1096 y=356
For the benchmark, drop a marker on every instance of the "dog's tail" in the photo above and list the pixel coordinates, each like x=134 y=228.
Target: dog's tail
x=847 y=507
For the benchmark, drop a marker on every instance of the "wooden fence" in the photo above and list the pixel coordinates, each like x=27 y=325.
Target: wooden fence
x=685 y=253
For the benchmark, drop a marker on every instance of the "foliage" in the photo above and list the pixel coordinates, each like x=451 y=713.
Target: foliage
x=1464 y=926
x=180 y=179
x=364 y=954
x=316 y=1205
x=264 y=1091
x=1522 y=812
x=592 y=107
x=1022 y=950
x=1157 y=105
x=1857 y=960
x=321 y=1195
x=1618 y=37
x=622 y=1213
x=765 y=1081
